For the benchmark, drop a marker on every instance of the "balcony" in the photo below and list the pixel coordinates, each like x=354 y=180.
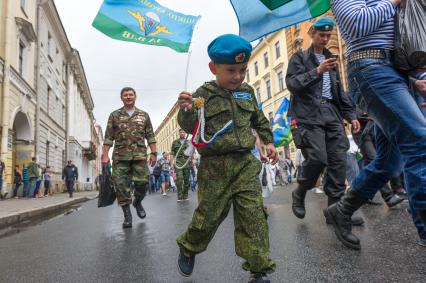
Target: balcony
x=90 y=153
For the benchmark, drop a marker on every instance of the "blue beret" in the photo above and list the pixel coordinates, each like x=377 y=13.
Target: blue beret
x=229 y=49
x=324 y=24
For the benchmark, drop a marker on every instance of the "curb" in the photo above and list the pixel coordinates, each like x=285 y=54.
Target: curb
x=27 y=215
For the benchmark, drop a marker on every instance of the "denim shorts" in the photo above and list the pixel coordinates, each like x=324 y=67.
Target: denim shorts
x=165 y=176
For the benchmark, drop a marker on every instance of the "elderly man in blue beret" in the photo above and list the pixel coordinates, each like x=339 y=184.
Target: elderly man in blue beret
x=319 y=105
x=228 y=174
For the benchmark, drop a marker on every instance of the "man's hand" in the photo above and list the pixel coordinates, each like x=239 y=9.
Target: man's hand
x=185 y=100
x=396 y=2
x=105 y=159
x=327 y=65
x=420 y=85
x=356 y=126
x=272 y=153
x=263 y=158
x=152 y=159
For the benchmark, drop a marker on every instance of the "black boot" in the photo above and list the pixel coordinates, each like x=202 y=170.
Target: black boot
x=258 y=277
x=390 y=198
x=299 y=202
x=355 y=220
x=422 y=214
x=140 y=211
x=340 y=214
x=127 y=223
x=186 y=263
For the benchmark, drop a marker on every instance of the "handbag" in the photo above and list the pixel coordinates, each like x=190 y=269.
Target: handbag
x=107 y=194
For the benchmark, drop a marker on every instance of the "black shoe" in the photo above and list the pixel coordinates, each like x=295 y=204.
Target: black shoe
x=185 y=263
x=140 y=211
x=298 y=205
x=393 y=201
x=127 y=223
x=340 y=215
x=258 y=277
x=355 y=220
x=373 y=202
x=422 y=214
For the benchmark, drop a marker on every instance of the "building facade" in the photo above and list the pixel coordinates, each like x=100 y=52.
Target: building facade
x=168 y=131
x=17 y=83
x=46 y=109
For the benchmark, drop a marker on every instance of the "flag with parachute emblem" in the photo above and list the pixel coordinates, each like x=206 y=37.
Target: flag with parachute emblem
x=261 y=17
x=281 y=125
x=145 y=22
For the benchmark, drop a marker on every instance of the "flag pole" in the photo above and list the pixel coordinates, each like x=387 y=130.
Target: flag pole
x=187 y=70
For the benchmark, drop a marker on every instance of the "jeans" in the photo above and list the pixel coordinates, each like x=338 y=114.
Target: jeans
x=1 y=184
x=165 y=177
x=15 y=189
x=33 y=184
x=26 y=189
x=400 y=131
x=46 y=187
x=151 y=184
x=352 y=168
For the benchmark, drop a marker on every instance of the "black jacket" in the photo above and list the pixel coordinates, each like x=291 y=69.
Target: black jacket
x=305 y=86
x=70 y=173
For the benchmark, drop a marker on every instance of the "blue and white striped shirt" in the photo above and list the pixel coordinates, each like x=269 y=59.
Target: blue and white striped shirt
x=326 y=81
x=365 y=24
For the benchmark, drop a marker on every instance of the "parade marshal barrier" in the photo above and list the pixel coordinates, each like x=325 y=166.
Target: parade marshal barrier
x=145 y=22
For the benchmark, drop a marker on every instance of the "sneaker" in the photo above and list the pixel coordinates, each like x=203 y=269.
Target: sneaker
x=258 y=277
x=179 y=200
x=422 y=242
x=185 y=263
x=164 y=194
x=317 y=190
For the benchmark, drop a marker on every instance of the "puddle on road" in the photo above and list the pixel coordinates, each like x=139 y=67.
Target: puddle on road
x=24 y=225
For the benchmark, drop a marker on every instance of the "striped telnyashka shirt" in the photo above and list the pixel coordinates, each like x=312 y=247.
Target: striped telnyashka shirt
x=326 y=81
x=365 y=24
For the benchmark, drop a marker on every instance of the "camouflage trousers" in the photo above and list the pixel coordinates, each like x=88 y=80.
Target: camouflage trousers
x=126 y=173
x=182 y=182
x=227 y=180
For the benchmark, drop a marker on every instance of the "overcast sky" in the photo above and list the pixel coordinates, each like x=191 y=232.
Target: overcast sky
x=157 y=73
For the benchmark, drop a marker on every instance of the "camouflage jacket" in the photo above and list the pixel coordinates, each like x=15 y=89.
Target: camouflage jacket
x=181 y=158
x=128 y=133
x=222 y=105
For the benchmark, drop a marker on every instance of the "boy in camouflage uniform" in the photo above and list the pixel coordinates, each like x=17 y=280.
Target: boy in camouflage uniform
x=228 y=172
x=128 y=128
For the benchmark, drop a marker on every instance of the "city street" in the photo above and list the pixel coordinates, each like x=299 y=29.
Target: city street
x=89 y=245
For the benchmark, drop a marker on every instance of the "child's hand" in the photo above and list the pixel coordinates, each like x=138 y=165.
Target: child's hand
x=185 y=100
x=272 y=153
x=421 y=87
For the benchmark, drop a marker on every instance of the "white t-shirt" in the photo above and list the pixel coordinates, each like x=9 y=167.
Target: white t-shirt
x=353 y=147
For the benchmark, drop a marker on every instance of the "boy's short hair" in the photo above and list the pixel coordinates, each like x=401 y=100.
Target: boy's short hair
x=229 y=49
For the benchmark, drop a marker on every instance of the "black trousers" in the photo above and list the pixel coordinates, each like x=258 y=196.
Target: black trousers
x=70 y=186
x=324 y=145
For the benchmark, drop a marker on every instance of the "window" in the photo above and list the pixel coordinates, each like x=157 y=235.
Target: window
x=277 y=50
x=248 y=75
x=49 y=94
x=268 y=88
x=21 y=57
x=256 y=69
x=259 y=98
x=271 y=118
x=23 y=4
x=280 y=81
x=47 y=152
x=266 y=59
x=50 y=46
x=63 y=115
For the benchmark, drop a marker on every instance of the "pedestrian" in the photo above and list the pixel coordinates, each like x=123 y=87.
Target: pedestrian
x=157 y=175
x=37 y=192
x=17 y=181
x=228 y=172
x=164 y=164
x=182 y=165
x=367 y=145
x=26 y=181
x=290 y=167
x=32 y=170
x=70 y=175
x=282 y=165
x=151 y=179
x=352 y=168
x=127 y=129
x=383 y=92
x=2 y=169
x=318 y=106
x=47 y=181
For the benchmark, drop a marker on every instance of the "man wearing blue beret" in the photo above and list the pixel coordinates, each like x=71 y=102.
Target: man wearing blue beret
x=319 y=105
x=228 y=172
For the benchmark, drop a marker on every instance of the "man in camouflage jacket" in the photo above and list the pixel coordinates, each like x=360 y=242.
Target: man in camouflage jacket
x=182 y=174
x=128 y=128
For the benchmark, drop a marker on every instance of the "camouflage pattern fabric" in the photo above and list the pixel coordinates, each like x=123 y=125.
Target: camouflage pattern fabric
x=182 y=158
x=126 y=172
x=128 y=134
x=238 y=186
x=182 y=182
x=222 y=105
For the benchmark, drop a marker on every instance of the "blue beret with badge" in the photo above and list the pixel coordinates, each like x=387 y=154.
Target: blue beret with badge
x=324 y=24
x=229 y=49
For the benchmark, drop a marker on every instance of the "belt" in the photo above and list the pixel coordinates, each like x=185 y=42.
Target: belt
x=369 y=53
x=325 y=101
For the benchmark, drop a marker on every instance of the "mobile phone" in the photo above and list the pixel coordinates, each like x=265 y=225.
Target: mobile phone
x=335 y=56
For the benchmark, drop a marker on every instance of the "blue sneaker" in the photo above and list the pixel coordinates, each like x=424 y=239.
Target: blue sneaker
x=185 y=263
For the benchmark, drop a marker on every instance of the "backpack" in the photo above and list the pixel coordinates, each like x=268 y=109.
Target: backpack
x=157 y=171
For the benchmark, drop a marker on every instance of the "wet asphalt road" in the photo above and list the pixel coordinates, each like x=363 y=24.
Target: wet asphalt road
x=89 y=245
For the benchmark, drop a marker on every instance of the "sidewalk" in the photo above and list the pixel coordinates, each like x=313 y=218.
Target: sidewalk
x=13 y=211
